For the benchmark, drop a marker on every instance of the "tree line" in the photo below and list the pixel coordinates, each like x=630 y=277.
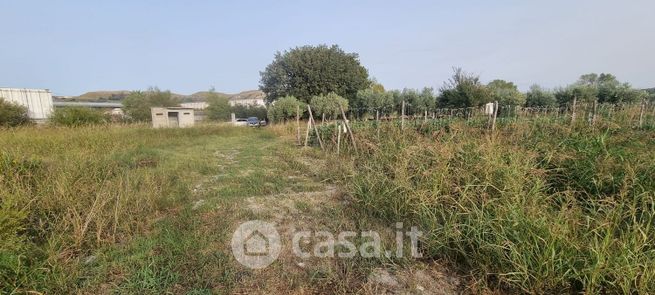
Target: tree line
x=325 y=77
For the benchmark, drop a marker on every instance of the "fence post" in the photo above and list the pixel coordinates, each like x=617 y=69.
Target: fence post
x=641 y=114
x=377 y=122
x=338 y=138
x=318 y=135
x=575 y=98
x=298 y=123
x=402 y=116
x=493 y=123
x=350 y=131
x=595 y=110
x=309 y=127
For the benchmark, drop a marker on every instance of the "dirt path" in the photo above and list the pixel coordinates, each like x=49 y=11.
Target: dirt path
x=326 y=208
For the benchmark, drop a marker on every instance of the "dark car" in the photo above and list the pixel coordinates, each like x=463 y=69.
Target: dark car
x=253 y=122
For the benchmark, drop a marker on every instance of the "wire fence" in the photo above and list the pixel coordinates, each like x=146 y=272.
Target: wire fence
x=488 y=117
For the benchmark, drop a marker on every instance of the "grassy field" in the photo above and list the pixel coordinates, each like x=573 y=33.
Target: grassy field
x=536 y=207
x=100 y=209
x=134 y=210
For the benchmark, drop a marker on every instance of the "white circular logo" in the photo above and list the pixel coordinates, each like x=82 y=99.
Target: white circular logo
x=256 y=244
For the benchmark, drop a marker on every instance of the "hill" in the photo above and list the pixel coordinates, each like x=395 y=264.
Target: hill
x=118 y=95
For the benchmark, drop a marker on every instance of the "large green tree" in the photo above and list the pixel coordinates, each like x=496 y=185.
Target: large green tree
x=505 y=93
x=138 y=103
x=463 y=90
x=307 y=71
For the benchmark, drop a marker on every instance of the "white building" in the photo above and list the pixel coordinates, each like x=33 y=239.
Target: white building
x=37 y=101
x=249 y=98
x=172 y=117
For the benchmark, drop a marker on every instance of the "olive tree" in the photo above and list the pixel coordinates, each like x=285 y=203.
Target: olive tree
x=328 y=105
x=285 y=108
x=463 y=90
x=539 y=97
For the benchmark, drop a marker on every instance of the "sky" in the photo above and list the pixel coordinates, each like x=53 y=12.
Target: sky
x=72 y=47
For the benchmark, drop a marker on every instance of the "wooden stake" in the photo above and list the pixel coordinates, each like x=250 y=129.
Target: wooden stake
x=350 y=131
x=298 y=123
x=493 y=123
x=575 y=98
x=641 y=114
x=309 y=127
x=318 y=135
x=595 y=111
x=338 y=139
x=402 y=116
x=377 y=122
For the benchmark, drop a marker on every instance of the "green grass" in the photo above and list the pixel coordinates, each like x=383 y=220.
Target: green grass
x=96 y=209
x=537 y=207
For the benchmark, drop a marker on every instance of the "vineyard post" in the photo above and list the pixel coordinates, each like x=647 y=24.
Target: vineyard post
x=493 y=123
x=298 y=123
x=318 y=135
x=641 y=113
x=309 y=127
x=575 y=98
x=402 y=116
x=338 y=138
x=377 y=122
x=350 y=131
x=593 y=116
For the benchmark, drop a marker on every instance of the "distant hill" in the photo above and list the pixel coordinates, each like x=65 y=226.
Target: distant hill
x=202 y=96
x=250 y=94
x=92 y=96
x=118 y=95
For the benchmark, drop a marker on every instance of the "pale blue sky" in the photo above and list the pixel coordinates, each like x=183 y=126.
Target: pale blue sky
x=72 y=47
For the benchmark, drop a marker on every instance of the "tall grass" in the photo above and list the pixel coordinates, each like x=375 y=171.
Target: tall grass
x=67 y=191
x=537 y=207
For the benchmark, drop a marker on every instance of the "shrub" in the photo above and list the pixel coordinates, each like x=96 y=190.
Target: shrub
x=285 y=108
x=138 y=103
x=77 y=116
x=12 y=114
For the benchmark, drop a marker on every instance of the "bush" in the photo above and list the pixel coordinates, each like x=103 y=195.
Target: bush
x=12 y=114
x=218 y=108
x=285 y=108
x=138 y=103
x=77 y=116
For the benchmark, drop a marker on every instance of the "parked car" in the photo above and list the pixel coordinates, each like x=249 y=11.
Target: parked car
x=253 y=122
x=241 y=122
x=262 y=123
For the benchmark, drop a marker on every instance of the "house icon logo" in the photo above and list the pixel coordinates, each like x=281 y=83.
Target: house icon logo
x=256 y=244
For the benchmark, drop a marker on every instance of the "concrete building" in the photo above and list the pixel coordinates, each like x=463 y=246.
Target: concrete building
x=249 y=98
x=37 y=101
x=172 y=117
